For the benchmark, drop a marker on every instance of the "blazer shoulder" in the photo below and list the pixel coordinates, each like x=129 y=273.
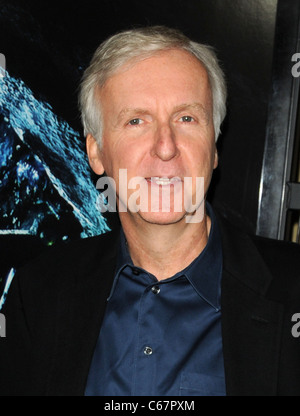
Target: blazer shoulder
x=283 y=260
x=267 y=265
x=76 y=250
x=279 y=253
x=63 y=263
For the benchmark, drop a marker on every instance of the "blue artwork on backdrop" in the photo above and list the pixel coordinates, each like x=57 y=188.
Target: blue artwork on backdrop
x=45 y=185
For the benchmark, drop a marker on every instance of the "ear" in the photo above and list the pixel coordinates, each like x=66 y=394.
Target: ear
x=94 y=155
x=216 y=158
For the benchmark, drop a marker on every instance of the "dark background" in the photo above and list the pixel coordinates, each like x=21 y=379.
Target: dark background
x=49 y=43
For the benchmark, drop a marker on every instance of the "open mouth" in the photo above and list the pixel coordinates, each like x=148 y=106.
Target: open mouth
x=163 y=181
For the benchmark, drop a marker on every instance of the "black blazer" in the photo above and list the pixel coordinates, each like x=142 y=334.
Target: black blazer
x=56 y=304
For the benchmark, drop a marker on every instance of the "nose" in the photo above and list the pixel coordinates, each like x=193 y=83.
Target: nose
x=165 y=145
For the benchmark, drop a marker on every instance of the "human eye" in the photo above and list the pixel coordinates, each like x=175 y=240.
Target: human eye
x=186 y=119
x=135 y=122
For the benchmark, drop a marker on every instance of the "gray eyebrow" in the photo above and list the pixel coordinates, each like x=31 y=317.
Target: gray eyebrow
x=197 y=106
x=180 y=107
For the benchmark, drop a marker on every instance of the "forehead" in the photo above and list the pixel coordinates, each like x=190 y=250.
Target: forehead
x=167 y=71
x=162 y=65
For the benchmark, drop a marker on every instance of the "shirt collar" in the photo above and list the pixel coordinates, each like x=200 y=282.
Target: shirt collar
x=204 y=273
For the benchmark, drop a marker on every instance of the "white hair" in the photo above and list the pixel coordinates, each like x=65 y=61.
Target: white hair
x=138 y=44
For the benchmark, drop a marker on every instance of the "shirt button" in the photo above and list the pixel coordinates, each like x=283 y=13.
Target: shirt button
x=135 y=271
x=148 y=350
x=155 y=290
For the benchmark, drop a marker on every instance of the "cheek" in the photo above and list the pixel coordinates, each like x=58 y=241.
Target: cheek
x=111 y=155
x=106 y=162
x=201 y=158
x=116 y=159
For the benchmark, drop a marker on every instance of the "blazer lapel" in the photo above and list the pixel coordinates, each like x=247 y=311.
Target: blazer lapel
x=251 y=324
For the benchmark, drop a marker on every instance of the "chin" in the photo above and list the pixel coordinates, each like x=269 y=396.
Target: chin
x=162 y=218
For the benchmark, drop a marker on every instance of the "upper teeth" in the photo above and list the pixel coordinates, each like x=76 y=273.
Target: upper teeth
x=164 y=181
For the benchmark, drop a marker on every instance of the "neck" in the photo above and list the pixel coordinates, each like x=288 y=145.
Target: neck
x=164 y=250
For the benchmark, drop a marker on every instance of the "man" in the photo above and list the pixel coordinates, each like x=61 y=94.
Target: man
x=174 y=301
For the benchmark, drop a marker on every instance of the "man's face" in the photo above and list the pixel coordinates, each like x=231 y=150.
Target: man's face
x=158 y=124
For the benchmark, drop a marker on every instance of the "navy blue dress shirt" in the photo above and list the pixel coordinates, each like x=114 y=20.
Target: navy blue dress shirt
x=162 y=338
